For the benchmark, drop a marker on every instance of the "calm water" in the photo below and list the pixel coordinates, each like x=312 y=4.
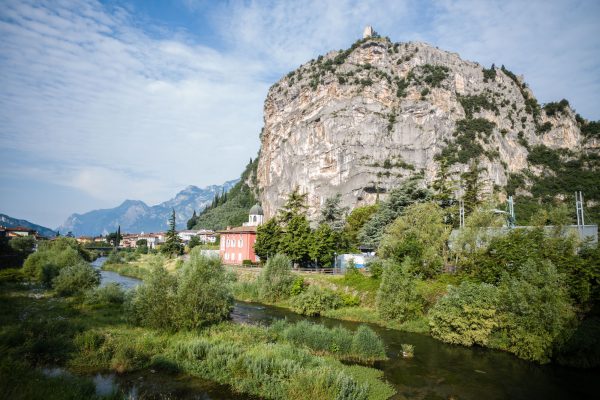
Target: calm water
x=437 y=371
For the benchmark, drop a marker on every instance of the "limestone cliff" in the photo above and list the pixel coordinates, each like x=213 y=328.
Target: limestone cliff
x=359 y=122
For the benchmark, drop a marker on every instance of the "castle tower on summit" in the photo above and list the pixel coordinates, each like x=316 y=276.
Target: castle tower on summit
x=368 y=32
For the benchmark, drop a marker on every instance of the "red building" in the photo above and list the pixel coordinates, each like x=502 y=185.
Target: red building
x=237 y=244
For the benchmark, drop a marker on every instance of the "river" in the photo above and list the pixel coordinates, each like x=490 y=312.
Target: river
x=437 y=371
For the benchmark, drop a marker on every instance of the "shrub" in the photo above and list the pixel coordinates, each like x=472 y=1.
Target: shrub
x=112 y=293
x=11 y=275
x=397 y=297
x=408 y=350
x=367 y=346
x=52 y=256
x=315 y=301
x=199 y=294
x=202 y=295
x=536 y=313
x=75 y=279
x=466 y=315
x=375 y=267
x=297 y=286
x=276 y=279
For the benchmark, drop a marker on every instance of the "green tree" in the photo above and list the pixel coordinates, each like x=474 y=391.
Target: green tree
x=75 y=279
x=421 y=234
x=323 y=245
x=535 y=311
x=356 y=220
x=472 y=186
x=268 y=237
x=276 y=278
x=202 y=295
x=52 y=256
x=194 y=241
x=295 y=241
x=295 y=205
x=442 y=185
x=192 y=221
x=466 y=315
x=172 y=245
x=333 y=214
x=399 y=198
x=22 y=245
x=397 y=296
x=114 y=238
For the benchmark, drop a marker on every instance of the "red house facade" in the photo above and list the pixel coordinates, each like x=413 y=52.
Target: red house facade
x=237 y=244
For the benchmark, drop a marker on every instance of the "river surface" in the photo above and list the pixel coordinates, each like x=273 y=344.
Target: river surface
x=437 y=370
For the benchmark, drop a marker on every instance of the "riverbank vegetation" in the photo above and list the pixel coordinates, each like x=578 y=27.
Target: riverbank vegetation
x=175 y=322
x=530 y=291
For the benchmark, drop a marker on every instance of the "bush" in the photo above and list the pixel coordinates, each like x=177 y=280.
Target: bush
x=536 y=313
x=297 y=286
x=375 y=267
x=408 y=350
x=466 y=315
x=276 y=279
x=367 y=346
x=112 y=293
x=198 y=295
x=315 y=301
x=52 y=256
x=203 y=294
x=11 y=275
x=75 y=279
x=397 y=297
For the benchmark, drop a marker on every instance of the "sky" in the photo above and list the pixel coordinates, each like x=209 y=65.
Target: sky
x=102 y=101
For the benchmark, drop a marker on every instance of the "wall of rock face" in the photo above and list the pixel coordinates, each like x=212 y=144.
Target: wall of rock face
x=361 y=121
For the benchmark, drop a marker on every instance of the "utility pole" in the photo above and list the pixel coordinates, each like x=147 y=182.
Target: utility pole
x=579 y=209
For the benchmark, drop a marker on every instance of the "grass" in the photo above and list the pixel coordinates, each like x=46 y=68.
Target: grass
x=38 y=330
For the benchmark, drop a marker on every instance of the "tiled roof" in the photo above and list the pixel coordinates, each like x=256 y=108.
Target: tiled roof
x=239 y=229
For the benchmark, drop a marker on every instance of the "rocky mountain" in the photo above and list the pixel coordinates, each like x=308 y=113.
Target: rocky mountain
x=361 y=121
x=136 y=216
x=10 y=222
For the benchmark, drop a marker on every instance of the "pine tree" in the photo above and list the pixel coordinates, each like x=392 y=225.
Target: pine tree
x=333 y=214
x=472 y=187
x=295 y=205
x=172 y=245
x=442 y=185
x=192 y=221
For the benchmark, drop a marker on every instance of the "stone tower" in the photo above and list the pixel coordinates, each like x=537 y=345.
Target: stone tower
x=368 y=32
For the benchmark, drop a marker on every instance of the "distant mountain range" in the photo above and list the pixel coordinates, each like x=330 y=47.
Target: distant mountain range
x=135 y=216
x=11 y=222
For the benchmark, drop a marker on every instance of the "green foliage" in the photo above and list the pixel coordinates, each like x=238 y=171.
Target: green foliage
x=197 y=295
x=434 y=75
x=543 y=128
x=52 y=256
x=268 y=237
x=173 y=245
x=366 y=345
x=489 y=74
x=112 y=293
x=375 y=267
x=397 y=297
x=333 y=214
x=22 y=245
x=275 y=281
x=194 y=241
x=554 y=108
x=202 y=295
x=401 y=197
x=591 y=129
x=419 y=233
x=231 y=208
x=323 y=245
x=582 y=350
x=467 y=146
x=297 y=286
x=475 y=103
x=74 y=279
x=11 y=275
x=466 y=315
x=535 y=311
x=315 y=301
x=356 y=220
x=408 y=350
x=296 y=239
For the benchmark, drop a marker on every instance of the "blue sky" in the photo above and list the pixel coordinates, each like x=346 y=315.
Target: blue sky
x=113 y=100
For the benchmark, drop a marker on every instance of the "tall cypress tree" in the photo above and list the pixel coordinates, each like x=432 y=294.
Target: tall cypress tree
x=172 y=245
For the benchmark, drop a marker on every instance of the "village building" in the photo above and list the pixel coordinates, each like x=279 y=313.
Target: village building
x=237 y=244
x=17 y=231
